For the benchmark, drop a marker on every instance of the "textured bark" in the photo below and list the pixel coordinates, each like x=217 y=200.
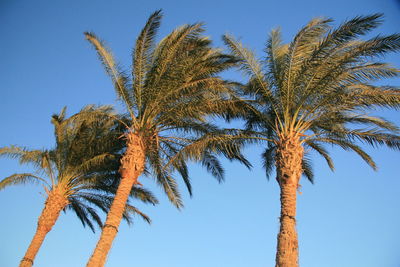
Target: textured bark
x=132 y=165
x=289 y=157
x=56 y=201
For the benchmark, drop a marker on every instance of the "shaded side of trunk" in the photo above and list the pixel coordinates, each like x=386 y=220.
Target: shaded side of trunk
x=289 y=156
x=56 y=201
x=132 y=165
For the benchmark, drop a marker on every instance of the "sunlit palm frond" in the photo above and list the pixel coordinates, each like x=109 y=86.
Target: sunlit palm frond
x=249 y=64
x=142 y=56
x=22 y=178
x=275 y=54
x=117 y=76
x=24 y=155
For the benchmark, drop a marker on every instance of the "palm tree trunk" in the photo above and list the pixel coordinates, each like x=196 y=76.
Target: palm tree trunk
x=132 y=165
x=289 y=156
x=56 y=201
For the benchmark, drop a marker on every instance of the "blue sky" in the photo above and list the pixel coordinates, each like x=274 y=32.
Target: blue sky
x=349 y=218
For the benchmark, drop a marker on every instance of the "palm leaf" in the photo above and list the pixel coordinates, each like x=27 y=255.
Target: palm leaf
x=117 y=76
x=142 y=54
x=22 y=178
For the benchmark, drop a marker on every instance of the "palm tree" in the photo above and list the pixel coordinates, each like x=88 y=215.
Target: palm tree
x=79 y=174
x=173 y=88
x=316 y=90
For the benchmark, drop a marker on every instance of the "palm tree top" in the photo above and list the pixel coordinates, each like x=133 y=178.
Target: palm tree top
x=173 y=87
x=165 y=74
x=84 y=163
x=322 y=88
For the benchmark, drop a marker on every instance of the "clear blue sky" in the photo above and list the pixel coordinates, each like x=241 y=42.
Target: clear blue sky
x=349 y=218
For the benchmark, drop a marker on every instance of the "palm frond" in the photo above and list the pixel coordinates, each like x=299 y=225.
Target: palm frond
x=23 y=154
x=144 y=195
x=117 y=76
x=275 y=51
x=323 y=152
x=129 y=209
x=307 y=169
x=350 y=146
x=83 y=212
x=142 y=55
x=165 y=54
x=268 y=160
x=22 y=178
x=249 y=64
x=211 y=163
x=164 y=178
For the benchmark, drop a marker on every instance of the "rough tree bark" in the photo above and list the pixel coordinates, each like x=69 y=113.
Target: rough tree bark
x=132 y=166
x=56 y=201
x=289 y=156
